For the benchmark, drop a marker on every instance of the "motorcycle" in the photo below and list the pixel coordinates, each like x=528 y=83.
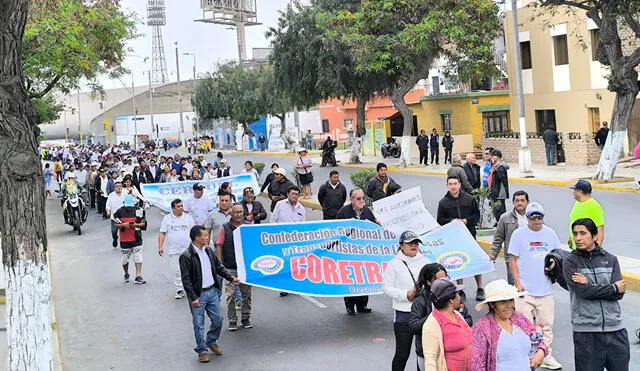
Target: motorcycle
x=74 y=211
x=390 y=149
x=329 y=156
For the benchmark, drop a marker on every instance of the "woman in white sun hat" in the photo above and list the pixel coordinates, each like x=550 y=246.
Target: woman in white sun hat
x=501 y=338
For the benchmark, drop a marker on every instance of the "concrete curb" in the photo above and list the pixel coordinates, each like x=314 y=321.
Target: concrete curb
x=556 y=183
x=632 y=279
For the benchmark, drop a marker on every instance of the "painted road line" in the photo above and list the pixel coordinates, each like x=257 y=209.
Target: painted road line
x=313 y=301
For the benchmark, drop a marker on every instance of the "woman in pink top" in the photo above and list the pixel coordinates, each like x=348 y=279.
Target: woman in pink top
x=446 y=336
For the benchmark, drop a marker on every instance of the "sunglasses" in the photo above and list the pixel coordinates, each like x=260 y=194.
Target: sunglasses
x=535 y=217
x=359 y=198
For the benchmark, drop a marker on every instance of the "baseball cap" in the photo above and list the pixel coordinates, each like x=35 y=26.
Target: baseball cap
x=534 y=208
x=129 y=200
x=280 y=171
x=409 y=236
x=198 y=186
x=443 y=288
x=223 y=161
x=496 y=152
x=582 y=185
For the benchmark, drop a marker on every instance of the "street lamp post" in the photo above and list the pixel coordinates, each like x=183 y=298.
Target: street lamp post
x=524 y=154
x=194 y=63
x=179 y=95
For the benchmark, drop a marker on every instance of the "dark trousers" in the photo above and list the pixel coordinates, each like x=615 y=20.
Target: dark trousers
x=92 y=197
x=595 y=351
x=404 y=340
x=356 y=301
x=447 y=155
x=435 y=154
x=424 y=154
x=114 y=231
x=498 y=210
x=550 y=152
x=102 y=203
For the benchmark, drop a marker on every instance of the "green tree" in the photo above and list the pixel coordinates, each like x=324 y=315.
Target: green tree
x=68 y=42
x=312 y=63
x=404 y=37
x=612 y=18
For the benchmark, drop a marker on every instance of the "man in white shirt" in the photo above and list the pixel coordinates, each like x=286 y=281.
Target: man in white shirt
x=114 y=202
x=528 y=248
x=128 y=166
x=289 y=210
x=198 y=206
x=174 y=234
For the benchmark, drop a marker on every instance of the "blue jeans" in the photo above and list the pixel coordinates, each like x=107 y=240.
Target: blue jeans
x=209 y=303
x=550 y=151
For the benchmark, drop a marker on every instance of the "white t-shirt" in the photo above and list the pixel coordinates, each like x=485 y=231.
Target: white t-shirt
x=198 y=208
x=513 y=351
x=522 y=220
x=114 y=202
x=177 y=231
x=531 y=248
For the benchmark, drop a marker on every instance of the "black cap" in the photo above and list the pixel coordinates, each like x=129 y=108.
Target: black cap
x=583 y=185
x=496 y=152
x=444 y=288
x=198 y=186
x=409 y=236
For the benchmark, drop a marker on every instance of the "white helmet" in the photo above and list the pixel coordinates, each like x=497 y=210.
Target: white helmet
x=69 y=175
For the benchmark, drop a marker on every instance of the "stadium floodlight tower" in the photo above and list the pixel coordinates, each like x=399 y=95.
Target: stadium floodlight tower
x=236 y=13
x=156 y=18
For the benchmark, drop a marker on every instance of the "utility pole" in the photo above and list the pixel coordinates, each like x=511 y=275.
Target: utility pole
x=79 y=119
x=66 y=130
x=135 y=119
x=181 y=136
x=524 y=154
x=194 y=63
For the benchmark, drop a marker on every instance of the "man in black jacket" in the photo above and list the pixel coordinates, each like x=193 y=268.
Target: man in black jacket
x=472 y=169
x=423 y=145
x=499 y=184
x=270 y=177
x=550 y=139
x=434 y=145
x=356 y=210
x=602 y=134
x=381 y=185
x=332 y=196
x=279 y=187
x=254 y=212
x=457 y=205
x=199 y=269
x=596 y=287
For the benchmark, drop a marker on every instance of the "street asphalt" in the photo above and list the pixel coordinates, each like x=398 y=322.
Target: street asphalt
x=105 y=324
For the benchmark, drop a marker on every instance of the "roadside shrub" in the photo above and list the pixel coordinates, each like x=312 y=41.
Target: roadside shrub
x=259 y=166
x=360 y=179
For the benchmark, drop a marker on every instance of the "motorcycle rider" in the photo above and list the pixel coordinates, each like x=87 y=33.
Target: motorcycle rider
x=328 y=155
x=70 y=187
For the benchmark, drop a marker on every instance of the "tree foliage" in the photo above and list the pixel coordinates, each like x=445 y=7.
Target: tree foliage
x=238 y=93
x=613 y=18
x=69 y=42
x=404 y=37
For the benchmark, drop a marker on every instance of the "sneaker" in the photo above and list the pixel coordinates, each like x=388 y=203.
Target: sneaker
x=139 y=280
x=246 y=323
x=551 y=363
x=203 y=357
x=126 y=278
x=233 y=326
x=283 y=294
x=179 y=295
x=238 y=304
x=480 y=296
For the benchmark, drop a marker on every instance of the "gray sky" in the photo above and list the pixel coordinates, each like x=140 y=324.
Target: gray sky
x=210 y=42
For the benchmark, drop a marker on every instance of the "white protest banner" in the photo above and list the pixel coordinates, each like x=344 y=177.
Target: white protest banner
x=404 y=211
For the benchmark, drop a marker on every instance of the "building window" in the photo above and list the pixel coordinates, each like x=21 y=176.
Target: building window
x=595 y=39
x=525 y=52
x=348 y=125
x=495 y=122
x=561 y=50
x=446 y=122
x=325 y=126
x=545 y=119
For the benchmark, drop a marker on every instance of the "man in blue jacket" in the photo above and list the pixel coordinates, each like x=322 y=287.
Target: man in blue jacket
x=595 y=285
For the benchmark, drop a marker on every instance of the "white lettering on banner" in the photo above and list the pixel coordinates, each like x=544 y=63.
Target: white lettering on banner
x=404 y=211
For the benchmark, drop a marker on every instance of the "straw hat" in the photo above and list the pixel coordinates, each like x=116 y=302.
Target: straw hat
x=499 y=290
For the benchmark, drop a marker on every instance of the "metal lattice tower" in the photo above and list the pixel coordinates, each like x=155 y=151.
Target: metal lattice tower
x=156 y=18
x=236 y=13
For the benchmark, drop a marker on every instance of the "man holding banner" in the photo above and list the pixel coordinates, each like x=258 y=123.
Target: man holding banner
x=457 y=205
x=356 y=210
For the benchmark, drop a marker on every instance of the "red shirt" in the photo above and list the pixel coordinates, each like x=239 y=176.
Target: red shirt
x=457 y=338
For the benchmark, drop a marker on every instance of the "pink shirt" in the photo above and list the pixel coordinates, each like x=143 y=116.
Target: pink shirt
x=457 y=337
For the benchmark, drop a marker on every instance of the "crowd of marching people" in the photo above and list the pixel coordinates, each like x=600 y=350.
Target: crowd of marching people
x=515 y=333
